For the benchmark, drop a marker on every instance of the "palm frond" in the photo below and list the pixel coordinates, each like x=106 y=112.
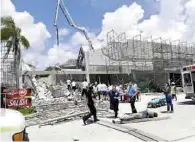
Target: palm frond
x=7 y=21
x=6 y=33
x=25 y=43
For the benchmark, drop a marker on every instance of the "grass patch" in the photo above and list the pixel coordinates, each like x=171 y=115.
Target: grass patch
x=27 y=110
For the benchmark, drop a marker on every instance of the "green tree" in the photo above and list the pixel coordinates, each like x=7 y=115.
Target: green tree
x=11 y=36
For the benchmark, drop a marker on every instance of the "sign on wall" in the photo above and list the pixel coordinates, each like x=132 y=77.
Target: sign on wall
x=16 y=98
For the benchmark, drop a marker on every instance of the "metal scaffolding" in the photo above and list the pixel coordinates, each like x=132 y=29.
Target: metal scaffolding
x=8 y=76
x=159 y=56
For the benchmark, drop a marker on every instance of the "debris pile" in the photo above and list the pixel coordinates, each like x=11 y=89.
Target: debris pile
x=55 y=102
x=56 y=107
x=52 y=109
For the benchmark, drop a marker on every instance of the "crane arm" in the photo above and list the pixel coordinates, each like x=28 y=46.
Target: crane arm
x=62 y=6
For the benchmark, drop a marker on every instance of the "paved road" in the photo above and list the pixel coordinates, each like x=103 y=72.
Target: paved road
x=76 y=130
x=181 y=126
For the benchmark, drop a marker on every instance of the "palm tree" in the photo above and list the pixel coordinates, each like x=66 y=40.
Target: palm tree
x=11 y=36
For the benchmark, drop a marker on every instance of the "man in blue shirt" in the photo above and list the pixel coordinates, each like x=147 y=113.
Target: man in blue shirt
x=132 y=95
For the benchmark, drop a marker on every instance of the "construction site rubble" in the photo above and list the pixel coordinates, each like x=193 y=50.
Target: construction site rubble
x=56 y=108
x=60 y=105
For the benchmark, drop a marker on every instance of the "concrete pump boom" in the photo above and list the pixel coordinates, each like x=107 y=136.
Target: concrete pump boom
x=61 y=5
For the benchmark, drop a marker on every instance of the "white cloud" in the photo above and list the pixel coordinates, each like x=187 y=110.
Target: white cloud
x=60 y=54
x=175 y=21
x=63 y=32
x=79 y=39
x=37 y=34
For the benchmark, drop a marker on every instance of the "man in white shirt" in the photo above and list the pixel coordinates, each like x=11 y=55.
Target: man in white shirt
x=110 y=88
x=84 y=87
x=104 y=90
x=117 y=88
x=68 y=82
x=95 y=89
x=135 y=86
x=73 y=85
x=99 y=89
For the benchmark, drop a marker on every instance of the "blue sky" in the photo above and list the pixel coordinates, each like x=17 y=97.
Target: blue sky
x=87 y=13
x=157 y=19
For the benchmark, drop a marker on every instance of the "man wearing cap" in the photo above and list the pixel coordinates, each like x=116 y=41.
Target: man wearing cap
x=173 y=91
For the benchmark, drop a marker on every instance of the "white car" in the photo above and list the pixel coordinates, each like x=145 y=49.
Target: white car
x=12 y=124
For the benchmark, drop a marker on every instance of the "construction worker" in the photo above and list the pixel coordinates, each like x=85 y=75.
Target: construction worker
x=91 y=106
x=168 y=95
x=173 y=91
x=114 y=100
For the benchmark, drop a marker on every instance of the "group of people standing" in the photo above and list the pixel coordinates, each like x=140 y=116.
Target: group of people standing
x=113 y=94
x=114 y=97
x=72 y=85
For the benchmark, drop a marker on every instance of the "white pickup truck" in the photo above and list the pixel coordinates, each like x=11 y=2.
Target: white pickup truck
x=12 y=125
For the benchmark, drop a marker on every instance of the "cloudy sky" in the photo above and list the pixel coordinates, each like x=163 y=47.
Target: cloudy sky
x=169 y=19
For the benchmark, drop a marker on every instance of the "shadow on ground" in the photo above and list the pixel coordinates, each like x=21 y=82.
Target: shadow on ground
x=163 y=112
x=88 y=122
x=187 y=103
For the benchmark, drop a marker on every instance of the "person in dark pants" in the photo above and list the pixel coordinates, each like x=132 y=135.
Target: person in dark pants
x=132 y=95
x=91 y=106
x=168 y=95
x=84 y=88
x=114 y=100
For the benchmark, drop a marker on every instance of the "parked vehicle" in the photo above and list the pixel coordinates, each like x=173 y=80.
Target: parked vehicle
x=188 y=81
x=157 y=102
